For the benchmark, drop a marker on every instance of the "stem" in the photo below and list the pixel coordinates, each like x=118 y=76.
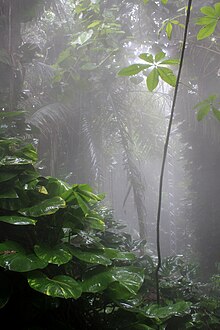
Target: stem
x=165 y=152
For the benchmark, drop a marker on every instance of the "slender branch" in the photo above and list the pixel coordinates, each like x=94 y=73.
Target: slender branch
x=165 y=152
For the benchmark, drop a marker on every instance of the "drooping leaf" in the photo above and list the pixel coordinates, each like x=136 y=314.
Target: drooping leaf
x=152 y=79
x=133 y=69
x=57 y=255
x=169 y=30
x=61 y=286
x=13 y=257
x=46 y=207
x=17 y=220
x=167 y=75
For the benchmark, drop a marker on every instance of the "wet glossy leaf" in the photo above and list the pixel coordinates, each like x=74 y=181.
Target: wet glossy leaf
x=57 y=255
x=179 y=309
x=128 y=281
x=49 y=206
x=56 y=187
x=152 y=80
x=61 y=286
x=133 y=69
x=95 y=222
x=94 y=257
x=13 y=160
x=129 y=278
x=97 y=283
x=14 y=257
x=118 y=255
x=17 y=220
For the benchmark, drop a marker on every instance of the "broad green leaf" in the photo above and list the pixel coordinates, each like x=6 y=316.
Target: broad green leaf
x=84 y=190
x=178 y=309
x=46 y=207
x=96 y=257
x=17 y=220
x=159 y=56
x=129 y=281
x=152 y=79
x=57 y=255
x=164 y=2
x=118 y=255
x=167 y=75
x=217 y=8
x=206 y=31
x=171 y=61
x=83 y=204
x=203 y=111
x=169 y=29
x=130 y=278
x=56 y=187
x=206 y=20
x=147 y=57
x=133 y=69
x=207 y=10
x=28 y=152
x=61 y=286
x=13 y=257
x=14 y=161
x=98 y=282
x=95 y=222
x=216 y=113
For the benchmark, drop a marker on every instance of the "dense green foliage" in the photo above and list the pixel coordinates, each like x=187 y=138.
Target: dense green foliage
x=65 y=262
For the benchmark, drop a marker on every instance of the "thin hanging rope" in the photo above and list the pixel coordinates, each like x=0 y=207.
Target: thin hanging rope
x=165 y=152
